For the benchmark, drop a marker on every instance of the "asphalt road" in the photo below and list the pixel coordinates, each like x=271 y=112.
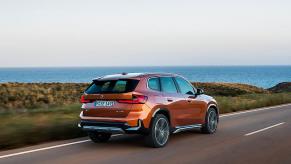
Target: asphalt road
x=257 y=136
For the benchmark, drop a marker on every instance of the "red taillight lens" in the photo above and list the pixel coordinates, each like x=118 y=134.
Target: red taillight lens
x=136 y=99
x=84 y=100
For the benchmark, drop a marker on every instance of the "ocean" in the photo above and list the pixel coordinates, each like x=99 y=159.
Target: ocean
x=261 y=76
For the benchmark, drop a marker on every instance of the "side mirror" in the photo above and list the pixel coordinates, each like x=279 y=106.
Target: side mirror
x=200 y=91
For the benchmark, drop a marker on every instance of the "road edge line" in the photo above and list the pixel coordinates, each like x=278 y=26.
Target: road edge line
x=253 y=110
x=48 y=148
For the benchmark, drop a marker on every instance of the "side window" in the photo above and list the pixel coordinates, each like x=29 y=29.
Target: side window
x=168 y=85
x=154 y=84
x=184 y=86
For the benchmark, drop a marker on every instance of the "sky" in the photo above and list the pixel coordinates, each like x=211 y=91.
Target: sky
x=54 y=33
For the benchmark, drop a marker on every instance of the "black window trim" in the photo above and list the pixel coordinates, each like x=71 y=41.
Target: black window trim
x=176 y=84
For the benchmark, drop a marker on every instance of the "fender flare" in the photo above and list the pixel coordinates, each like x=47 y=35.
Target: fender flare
x=215 y=106
x=160 y=109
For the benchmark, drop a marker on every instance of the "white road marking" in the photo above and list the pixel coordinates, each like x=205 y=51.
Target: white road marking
x=50 y=147
x=252 y=110
x=269 y=127
x=83 y=141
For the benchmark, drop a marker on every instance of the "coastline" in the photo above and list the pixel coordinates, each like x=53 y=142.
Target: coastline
x=261 y=76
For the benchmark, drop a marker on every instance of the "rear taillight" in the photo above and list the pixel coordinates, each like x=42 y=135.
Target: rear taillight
x=136 y=99
x=84 y=100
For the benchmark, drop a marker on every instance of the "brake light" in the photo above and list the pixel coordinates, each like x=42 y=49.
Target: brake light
x=136 y=99
x=84 y=100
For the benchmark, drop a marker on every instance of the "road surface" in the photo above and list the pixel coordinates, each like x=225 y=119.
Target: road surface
x=257 y=136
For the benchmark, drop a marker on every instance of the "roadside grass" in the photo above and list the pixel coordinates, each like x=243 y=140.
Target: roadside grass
x=251 y=101
x=32 y=127
x=22 y=128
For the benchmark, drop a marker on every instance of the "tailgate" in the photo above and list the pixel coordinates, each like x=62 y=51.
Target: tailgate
x=107 y=105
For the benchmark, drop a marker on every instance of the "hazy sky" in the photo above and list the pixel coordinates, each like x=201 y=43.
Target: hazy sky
x=144 y=32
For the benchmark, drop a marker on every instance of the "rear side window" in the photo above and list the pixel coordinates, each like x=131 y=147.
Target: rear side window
x=154 y=83
x=112 y=86
x=168 y=85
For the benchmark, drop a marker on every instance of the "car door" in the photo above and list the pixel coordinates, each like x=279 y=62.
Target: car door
x=193 y=105
x=175 y=102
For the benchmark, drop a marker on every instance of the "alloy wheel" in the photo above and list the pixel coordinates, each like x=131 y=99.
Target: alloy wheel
x=162 y=131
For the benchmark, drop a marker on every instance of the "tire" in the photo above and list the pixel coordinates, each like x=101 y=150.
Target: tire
x=99 y=137
x=211 y=122
x=159 y=132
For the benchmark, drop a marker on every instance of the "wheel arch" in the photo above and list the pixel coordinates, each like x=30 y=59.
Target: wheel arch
x=214 y=106
x=163 y=111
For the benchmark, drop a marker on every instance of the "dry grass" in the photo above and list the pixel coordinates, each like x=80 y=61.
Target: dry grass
x=19 y=96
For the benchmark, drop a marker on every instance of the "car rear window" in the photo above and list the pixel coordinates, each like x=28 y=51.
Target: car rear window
x=112 y=86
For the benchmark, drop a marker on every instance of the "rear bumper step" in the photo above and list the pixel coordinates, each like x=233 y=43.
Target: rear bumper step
x=103 y=129
x=109 y=127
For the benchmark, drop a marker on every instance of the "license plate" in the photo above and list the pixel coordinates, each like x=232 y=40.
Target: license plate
x=104 y=103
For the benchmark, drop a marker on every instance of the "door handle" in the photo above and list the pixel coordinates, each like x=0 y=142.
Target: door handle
x=192 y=97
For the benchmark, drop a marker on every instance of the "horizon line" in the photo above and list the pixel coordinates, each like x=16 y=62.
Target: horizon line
x=259 y=65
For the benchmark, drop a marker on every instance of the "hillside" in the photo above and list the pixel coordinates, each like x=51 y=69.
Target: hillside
x=228 y=89
x=281 y=87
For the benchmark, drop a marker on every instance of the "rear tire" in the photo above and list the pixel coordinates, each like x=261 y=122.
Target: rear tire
x=159 y=132
x=211 y=122
x=99 y=137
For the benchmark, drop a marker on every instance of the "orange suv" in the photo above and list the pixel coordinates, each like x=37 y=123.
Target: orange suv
x=152 y=104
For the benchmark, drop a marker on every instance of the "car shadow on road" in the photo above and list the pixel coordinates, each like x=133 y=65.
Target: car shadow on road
x=134 y=140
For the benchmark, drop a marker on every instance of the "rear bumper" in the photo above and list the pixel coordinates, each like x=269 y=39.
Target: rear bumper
x=111 y=127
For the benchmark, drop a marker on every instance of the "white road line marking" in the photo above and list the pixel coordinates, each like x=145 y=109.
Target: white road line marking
x=269 y=127
x=47 y=148
x=252 y=110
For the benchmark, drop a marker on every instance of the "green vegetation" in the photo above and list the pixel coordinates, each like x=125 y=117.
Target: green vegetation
x=251 y=101
x=39 y=125
x=40 y=112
